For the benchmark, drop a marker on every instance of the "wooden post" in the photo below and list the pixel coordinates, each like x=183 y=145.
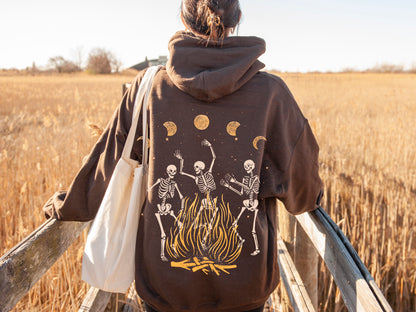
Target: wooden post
x=96 y=300
x=292 y=282
x=307 y=262
x=358 y=288
x=286 y=226
x=304 y=255
x=22 y=266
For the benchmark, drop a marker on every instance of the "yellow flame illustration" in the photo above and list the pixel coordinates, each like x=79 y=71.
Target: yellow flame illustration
x=195 y=249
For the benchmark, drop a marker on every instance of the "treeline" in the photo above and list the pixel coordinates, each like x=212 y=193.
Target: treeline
x=382 y=68
x=379 y=68
x=391 y=68
x=99 y=61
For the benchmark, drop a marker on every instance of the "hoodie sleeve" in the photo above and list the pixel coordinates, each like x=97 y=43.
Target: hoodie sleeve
x=291 y=158
x=301 y=185
x=84 y=196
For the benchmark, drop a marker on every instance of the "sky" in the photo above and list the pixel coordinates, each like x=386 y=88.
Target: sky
x=301 y=35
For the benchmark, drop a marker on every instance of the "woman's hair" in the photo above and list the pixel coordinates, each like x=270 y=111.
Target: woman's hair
x=211 y=18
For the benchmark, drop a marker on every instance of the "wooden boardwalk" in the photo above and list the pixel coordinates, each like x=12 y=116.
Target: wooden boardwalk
x=22 y=266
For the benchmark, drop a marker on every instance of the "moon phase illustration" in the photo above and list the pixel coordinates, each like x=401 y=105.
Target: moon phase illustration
x=201 y=122
x=232 y=127
x=256 y=140
x=148 y=141
x=170 y=127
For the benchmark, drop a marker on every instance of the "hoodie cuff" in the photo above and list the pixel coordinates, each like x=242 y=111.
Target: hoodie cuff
x=54 y=204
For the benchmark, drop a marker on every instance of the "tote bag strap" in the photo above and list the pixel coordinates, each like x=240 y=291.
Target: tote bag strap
x=140 y=103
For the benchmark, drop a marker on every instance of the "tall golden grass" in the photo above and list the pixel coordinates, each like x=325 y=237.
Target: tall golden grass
x=364 y=124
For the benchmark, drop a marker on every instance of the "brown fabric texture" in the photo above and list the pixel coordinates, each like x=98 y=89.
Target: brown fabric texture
x=226 y=141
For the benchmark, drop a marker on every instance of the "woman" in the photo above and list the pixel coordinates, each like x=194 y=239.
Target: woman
x=226 y=141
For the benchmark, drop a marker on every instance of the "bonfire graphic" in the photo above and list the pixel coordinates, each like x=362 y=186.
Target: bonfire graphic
x=204 y=239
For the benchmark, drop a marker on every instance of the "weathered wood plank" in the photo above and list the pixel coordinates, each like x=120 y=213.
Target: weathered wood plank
x=96 y=300
x=295 y=288
x=354 y=287
x=303 y=254
x=131 y=304
x=363 y=269
x=27 y=262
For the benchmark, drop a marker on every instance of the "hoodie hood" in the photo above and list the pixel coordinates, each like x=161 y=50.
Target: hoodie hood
x=209 y=70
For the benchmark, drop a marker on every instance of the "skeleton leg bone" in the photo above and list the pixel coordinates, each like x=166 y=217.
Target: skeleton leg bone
x=202 y=207
x=162 y=238
x=234 y=225
x=256 y=242
x=242 y=240
x=239 y=215
x=208 y=231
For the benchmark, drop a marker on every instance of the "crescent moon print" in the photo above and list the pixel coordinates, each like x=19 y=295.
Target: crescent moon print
x=148 y=141
x=170 y=127
x=256 y=140
x=232 y=127
x=201 y=122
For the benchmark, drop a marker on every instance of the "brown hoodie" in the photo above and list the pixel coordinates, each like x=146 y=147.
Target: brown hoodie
x=225 y=141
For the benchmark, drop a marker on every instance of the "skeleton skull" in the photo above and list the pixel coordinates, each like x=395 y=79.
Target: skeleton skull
x=171 y=170
x=249 y=165
x=199 y=166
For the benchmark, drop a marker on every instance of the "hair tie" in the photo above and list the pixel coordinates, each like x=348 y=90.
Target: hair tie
x=213 y=19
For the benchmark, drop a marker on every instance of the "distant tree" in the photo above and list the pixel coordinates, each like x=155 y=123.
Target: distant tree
x=101 y=61
x=115 y=64
x=386 y=68
x=34 y=68
x=78 y=56
x=62 y=65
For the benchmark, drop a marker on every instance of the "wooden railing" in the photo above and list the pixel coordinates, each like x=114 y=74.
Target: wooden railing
x=357 y=287
x=26 y=263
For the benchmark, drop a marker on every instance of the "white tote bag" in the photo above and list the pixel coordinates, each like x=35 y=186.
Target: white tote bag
x=109 y=255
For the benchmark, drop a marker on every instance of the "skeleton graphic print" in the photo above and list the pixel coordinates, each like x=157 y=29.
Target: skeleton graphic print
x=206 y=184
x=205 y=232
x=167 y=188
x=250 y=187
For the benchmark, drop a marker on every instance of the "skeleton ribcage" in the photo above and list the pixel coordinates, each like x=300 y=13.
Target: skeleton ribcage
x=252 y=184
x=166 y=188
x=205 y=182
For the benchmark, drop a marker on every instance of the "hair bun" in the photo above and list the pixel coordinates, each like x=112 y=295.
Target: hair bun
x=211 y=18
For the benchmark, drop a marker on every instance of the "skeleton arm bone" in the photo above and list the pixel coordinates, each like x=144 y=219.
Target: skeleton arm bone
x=249 y=187
x=188 y=175
x=157 y=182
x=227 y=185
x=179 y=192
x=234 y=190
x=184 y=173
x=181 y=197
x=178 y=155
x=213 y=158
x=206 y=143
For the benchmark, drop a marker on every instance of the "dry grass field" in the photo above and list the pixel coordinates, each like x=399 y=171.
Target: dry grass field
x=364 y=123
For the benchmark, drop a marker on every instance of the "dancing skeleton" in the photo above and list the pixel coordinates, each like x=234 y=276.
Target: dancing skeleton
x=250 y=186
x=166 y=191
x=206 y=184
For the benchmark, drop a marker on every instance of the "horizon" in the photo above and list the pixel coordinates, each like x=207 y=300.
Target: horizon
x=306 y=36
